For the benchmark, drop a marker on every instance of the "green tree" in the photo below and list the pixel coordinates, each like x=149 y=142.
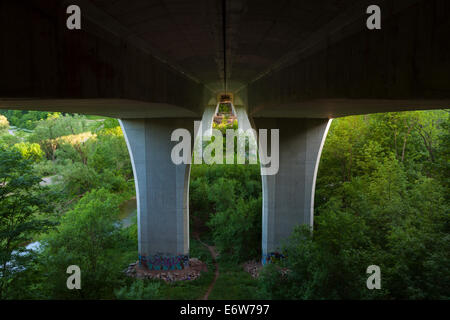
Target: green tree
x=54 y=126
x=8 y=140
x=24 y=119
x=90 y=237
x=4 y=124
x=21 y=204
x=215 y=189
x=94 y=161
x=31 y=151
x=237 y=230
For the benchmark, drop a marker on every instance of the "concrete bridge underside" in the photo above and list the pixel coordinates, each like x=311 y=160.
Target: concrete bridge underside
x=159 y=65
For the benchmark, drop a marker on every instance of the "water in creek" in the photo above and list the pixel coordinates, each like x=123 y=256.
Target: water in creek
x=128 y=212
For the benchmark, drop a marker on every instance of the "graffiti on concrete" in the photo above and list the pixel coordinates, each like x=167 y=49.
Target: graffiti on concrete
x=272 y=257
x=162 y=262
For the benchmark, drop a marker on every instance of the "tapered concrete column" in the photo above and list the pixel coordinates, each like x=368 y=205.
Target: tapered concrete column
x=242 y=117
x=288 y=196
x=207 y=120
x=162 y=190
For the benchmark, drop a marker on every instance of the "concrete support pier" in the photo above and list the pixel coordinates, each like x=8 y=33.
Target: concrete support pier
x=242 y=117
x=288 y=196
x=162 y=190
x=207 y=120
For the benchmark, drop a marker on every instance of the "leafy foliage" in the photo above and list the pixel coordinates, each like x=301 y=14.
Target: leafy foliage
x=225 y=203
x=139 y=290
x=31 y=151
x=90 y=237
x=54 y=126
x=237 y=230
x=4 y=123
x=20 y=207
x=24 y=119
x=382 y=199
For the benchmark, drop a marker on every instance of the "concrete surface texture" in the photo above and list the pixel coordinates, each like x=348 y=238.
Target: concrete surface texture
x=288 y=196
x=161 y=186
x=309 y=59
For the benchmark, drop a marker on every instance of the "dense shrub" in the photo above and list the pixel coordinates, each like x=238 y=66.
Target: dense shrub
x=382 y=198
x=22 y=207
x=378 y=202
x=31 y=151
x=89 y=237
x=24 y=119
x=225 y=200
x=4 y=124
x=237 y=230
x=139 y=290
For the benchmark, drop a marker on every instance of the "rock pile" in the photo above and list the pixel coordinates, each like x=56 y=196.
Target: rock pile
x=253 y=267
x=196 y=267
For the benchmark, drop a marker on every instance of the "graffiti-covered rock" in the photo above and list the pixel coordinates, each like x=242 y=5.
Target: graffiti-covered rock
x=192 y=270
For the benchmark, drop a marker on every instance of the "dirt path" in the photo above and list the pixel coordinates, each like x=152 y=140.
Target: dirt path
x=216 y=265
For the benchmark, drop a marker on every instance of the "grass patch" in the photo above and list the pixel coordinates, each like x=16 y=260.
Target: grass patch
x=234 y=284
